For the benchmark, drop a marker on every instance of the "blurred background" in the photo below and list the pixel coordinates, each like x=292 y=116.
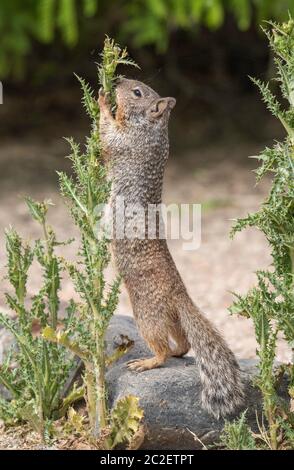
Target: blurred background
x=201 y=52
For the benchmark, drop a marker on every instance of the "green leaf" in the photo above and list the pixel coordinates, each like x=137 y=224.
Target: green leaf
x=46 y=23
x=214 y=16
x=237 y=435
x=125 y=420
x=67 y=21
x=90 y=7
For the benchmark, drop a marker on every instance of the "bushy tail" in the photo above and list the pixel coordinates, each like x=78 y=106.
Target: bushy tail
x=222 y=388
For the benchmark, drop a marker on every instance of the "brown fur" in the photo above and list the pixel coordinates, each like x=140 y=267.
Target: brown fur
x=136 y=146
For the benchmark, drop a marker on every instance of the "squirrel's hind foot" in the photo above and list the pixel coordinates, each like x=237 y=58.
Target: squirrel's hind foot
x=139 y=365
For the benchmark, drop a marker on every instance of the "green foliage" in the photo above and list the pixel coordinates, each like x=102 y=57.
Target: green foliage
x=24 y=21
x=150 y=22
x=270 y=304
x=237 y=435
x=34 y=372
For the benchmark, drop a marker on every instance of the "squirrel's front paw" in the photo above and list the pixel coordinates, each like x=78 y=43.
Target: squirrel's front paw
x=101 y=98
x=105 y=105
x=104 y=98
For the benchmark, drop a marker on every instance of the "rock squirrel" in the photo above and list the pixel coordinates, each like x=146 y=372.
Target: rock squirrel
x=135 y=146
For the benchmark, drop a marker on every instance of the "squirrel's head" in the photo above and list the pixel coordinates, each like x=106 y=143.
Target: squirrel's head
x=138 y=104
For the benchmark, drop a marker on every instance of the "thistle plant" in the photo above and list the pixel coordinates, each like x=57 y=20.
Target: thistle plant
x=37 y=370
x=237 y=435
x=86 y=194
x=34 y=372
x=270 y=304
x=112 y=56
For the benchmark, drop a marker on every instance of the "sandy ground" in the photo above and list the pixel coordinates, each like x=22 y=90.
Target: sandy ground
x=218 y=177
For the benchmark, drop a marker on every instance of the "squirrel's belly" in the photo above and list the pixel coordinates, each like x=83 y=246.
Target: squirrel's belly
x=132 y=256
x=147 y=267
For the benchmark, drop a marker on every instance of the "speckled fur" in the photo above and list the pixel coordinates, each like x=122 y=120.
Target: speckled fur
x=136 y=147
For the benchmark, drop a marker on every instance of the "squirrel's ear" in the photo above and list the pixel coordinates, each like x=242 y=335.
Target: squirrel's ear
x=161 y=105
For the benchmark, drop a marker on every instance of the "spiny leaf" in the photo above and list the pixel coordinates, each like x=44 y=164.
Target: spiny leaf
x=125 y=420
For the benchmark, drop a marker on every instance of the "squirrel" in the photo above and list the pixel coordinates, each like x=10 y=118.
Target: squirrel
x=135 y=148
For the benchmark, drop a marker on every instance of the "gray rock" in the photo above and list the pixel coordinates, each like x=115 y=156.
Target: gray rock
x=170 y=395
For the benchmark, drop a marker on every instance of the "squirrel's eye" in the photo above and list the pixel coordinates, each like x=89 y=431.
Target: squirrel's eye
x=137 y=92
